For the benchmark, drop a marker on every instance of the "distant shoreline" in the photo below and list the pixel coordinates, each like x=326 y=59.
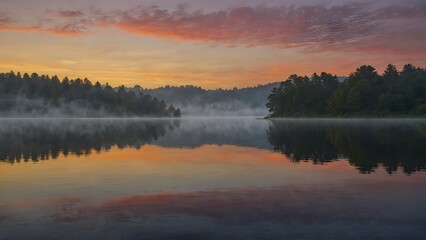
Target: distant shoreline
x=218 y=117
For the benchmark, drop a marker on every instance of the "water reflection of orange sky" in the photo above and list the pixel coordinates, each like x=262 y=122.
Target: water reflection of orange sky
x=153 y=169
x=156 y=155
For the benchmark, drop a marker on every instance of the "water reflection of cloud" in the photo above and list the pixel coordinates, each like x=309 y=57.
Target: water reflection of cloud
x=303 y=204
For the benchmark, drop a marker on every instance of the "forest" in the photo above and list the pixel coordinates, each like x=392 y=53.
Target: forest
x=41 y=95
x=365 y=93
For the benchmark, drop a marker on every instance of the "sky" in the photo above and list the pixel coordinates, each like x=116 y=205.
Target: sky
x=212 y=44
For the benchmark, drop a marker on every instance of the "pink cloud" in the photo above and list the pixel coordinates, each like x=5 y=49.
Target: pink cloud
x=354 y=26
x=351 y=26
x=250 y=26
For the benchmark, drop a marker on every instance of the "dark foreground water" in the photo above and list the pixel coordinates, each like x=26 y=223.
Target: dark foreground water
x=216 y=178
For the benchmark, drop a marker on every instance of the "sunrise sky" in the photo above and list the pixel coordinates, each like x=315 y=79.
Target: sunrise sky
x=212 y=44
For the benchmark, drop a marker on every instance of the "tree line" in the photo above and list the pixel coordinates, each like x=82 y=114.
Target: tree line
x=363 y=93
x=26 y=94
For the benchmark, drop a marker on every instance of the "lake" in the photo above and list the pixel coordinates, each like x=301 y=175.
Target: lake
x=212 y=178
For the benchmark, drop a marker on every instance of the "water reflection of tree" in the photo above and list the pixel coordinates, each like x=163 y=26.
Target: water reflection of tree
x=366 y=145
x=25 y=140
x=302 y=142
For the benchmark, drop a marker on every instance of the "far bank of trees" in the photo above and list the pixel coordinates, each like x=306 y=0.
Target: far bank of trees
x=38 y=95
x=193 y=100
x=363 y=93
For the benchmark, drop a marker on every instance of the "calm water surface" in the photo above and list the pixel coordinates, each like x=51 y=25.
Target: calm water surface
x=212 y=178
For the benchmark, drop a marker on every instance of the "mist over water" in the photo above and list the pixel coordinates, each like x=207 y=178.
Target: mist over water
x=223 y=109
